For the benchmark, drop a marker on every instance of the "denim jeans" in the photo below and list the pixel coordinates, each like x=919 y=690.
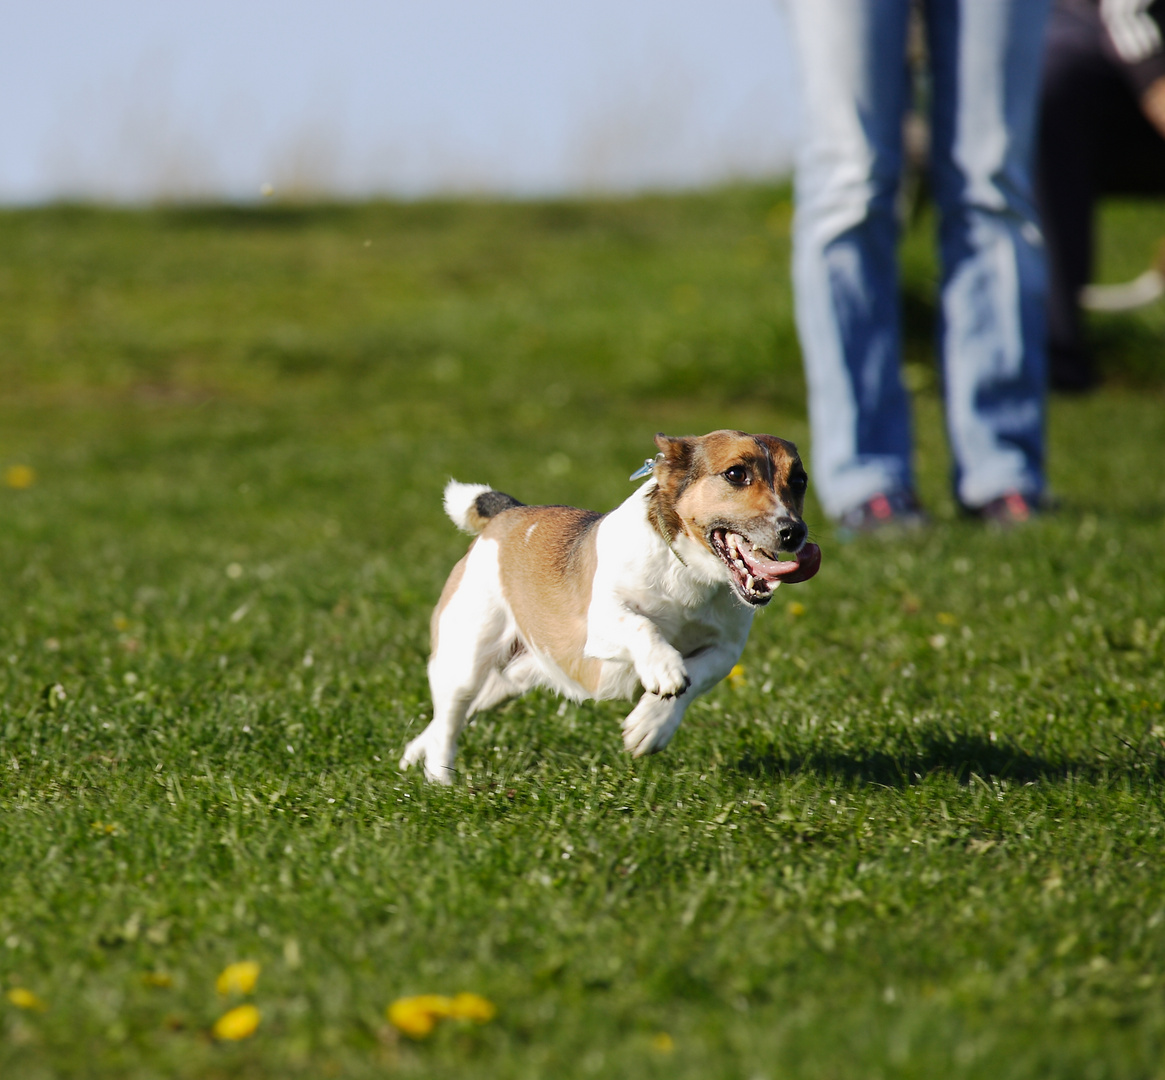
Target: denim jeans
x=985 y=60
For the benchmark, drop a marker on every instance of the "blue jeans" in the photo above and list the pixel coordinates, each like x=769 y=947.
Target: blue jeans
x=985 y=75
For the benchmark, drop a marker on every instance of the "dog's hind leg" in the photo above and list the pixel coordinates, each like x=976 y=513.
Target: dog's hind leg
x=465 y=662
x=458 y=672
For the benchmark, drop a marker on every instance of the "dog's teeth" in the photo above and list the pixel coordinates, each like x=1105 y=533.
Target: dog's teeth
x=750 y=583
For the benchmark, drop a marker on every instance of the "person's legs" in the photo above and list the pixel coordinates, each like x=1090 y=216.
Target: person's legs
x=851 y=56
x=1130 y=150
x=985 y=58
x=1094 y=140
x=1077 y=78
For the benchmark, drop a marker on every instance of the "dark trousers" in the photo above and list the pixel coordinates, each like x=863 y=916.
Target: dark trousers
x=1094 y=140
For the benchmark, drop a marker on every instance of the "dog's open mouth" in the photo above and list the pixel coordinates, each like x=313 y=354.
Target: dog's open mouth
x=755 y=573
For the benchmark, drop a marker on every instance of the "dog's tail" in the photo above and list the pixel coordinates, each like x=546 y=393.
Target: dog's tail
x=472 y=505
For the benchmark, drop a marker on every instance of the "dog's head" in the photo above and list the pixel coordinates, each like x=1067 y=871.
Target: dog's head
x=736 y=500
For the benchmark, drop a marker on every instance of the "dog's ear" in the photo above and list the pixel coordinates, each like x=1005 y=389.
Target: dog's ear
x=779 y=449
x=672 y=475
x=676 y=453
x=786 y=464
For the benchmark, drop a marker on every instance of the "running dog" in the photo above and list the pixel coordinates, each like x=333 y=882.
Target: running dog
x=658 y=594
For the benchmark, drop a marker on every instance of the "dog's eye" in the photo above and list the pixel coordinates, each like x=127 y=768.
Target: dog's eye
x=737 y=475
x=799 y=482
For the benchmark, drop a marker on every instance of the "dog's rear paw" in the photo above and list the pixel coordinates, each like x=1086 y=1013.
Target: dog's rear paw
x=436 y=771
x=414 y=752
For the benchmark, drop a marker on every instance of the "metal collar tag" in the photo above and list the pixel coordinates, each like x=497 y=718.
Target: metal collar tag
x=644 y=470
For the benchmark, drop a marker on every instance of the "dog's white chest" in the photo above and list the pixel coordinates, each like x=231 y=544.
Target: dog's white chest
x=642 y=594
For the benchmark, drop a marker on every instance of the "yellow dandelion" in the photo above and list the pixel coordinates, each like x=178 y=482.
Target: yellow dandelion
x=736 y=676
x=25 y=999
x=160 y=980
x=417 y=1016
x=237 y=1024
x=238 y=978
x=795 y=608
x=945 y=618
x=662 y=1043
x=473 y=1007
x=19 y=477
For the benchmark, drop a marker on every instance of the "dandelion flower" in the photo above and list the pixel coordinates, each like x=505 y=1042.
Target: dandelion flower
x=25 y=999
x=19 y=477
x=237 y=1024
x=662 y=1043
x=473 y=1007
x=795 y=608
x=160 y=980
x=736 y=676
x=238 y=978
x=417 y=1016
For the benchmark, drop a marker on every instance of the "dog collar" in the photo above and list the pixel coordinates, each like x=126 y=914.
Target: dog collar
x=659 y=526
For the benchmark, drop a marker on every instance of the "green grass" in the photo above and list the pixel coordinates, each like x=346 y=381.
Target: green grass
x=922 y=838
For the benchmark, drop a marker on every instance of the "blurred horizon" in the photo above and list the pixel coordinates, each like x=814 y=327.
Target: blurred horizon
x=131 y=102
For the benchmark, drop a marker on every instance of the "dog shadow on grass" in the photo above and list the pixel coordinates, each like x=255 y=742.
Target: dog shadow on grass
x=962 y=757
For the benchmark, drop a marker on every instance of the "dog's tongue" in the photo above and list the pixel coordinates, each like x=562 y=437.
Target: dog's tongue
x=802 y=567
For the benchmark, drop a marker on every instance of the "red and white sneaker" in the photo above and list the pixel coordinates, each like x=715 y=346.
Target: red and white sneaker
x=1010 y=509
x=885 y=512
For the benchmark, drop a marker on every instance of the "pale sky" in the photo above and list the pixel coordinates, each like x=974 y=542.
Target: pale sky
x=139 y=99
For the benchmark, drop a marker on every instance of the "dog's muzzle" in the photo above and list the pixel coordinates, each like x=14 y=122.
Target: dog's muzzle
x=755 y=573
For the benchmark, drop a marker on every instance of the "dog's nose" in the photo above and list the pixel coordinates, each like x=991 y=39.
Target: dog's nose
x=792 y=535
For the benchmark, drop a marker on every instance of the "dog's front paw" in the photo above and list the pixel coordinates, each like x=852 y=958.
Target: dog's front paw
x=664 y=674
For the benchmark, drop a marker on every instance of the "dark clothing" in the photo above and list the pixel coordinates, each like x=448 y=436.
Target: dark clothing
x=1094 y=140
x=1134 y=34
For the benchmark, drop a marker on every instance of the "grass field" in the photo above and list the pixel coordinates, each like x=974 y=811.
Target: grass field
x=920 y=836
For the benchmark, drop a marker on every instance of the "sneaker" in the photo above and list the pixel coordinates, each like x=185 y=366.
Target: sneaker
x=1009 y=510
x=893 y=511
